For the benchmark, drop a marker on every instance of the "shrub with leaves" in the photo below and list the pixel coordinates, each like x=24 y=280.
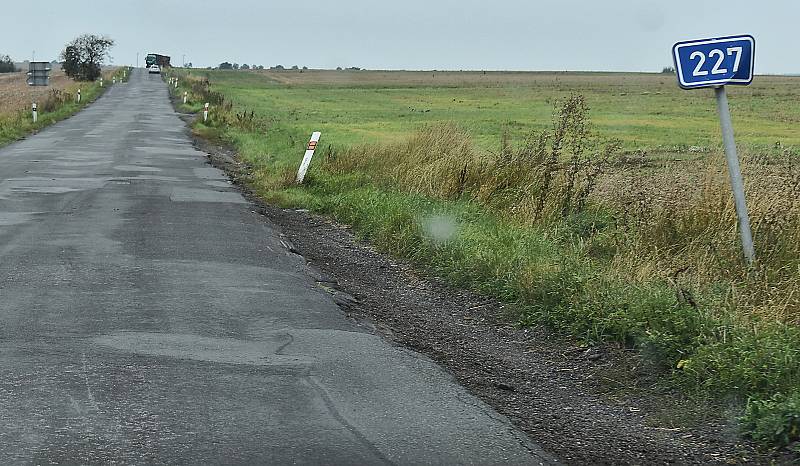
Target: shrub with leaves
x=775 y=422
x=6 y=65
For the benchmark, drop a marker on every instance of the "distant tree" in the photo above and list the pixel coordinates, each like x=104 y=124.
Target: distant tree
x=225 y=66
x=295 y=67
x=668 y=70
x=245 y=66
x=6 y=64
x=338 y=68
x=260 y=67
x=235 y=66
x=189 y=65
x=305 y=67
x=278 y=67
x=84 y=56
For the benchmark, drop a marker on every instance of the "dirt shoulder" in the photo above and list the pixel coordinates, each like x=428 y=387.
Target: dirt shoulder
x=584 y=405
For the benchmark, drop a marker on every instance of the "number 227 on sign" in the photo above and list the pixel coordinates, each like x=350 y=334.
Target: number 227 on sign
x=715 y=62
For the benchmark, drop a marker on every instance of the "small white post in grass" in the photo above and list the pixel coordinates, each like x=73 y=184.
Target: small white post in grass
x=312 y=146
x=124 y=74
x=101 y=82
x=35 y=112
x=176 y=83
x=185 y=97
x=205 y=112
x=114 y=80
x=79 y=96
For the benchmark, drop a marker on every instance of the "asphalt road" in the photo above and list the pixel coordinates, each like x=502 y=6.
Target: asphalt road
x=149 y=315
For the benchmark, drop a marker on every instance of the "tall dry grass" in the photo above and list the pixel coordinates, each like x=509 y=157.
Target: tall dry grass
x=549 y=176
x=677 y=224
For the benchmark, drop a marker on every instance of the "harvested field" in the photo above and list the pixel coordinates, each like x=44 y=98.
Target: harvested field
x=15 y=94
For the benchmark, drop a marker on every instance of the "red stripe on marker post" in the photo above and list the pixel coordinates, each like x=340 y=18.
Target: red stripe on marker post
x=312 y=146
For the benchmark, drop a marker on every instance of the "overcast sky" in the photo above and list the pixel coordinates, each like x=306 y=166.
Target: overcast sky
x=613 y=35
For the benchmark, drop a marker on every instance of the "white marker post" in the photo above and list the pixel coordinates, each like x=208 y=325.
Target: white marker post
x=205 y=112
x=79 y=96
x=176 y=83
x=312 y=146
x=185 y=97
x=101 y=82
x=35 y=112
x=114 y=80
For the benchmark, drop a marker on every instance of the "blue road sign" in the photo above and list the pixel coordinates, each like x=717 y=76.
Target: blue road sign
x=715 y=62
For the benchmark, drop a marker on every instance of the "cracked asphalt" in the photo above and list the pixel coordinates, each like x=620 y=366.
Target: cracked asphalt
x=149 y=315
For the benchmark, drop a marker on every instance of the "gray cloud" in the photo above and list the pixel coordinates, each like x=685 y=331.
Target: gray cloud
x=615 y=35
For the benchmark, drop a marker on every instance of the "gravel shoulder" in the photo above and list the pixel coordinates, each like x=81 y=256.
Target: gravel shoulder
x=584 y=405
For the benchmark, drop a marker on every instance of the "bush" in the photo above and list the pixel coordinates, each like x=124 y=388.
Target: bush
x=6 y=65
x=84 y=56
x=775 y=421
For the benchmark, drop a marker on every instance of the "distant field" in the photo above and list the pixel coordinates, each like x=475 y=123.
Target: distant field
x=645 y=111
x=15 y=94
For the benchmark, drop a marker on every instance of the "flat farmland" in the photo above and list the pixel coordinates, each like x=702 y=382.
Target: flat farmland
x=15 y=94
x=645 y=111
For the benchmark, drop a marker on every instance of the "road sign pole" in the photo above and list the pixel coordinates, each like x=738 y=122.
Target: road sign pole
x=735 y=173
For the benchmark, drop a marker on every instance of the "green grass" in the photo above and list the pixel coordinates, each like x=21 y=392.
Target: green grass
x=20 y=125
x=646 y=112
x=591 y=273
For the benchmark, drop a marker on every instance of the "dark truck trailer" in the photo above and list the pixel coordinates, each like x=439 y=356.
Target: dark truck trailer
x=156 y=59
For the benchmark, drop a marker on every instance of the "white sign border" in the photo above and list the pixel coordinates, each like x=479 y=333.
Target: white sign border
x=679 y=45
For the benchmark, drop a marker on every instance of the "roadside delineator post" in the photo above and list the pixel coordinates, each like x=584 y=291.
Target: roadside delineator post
x=312 y=146
x=185 y=97
x=79 y=96
x=101 y=81
x=114 y=80
x=205 y=112
x=176 y=83
x=35 y=112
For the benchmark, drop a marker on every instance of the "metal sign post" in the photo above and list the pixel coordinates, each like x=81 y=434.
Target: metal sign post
x=737 y=183
x=716 y=63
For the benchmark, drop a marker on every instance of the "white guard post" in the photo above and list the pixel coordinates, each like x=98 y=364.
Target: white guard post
x=205 y=112
x=176 y=83
x=35 y=112
x=185 y=97
x=79 y=95
x=101 y=82
x=114 y=80
x=312 y=146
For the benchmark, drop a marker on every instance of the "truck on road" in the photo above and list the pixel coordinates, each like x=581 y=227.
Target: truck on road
x=156 y=59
